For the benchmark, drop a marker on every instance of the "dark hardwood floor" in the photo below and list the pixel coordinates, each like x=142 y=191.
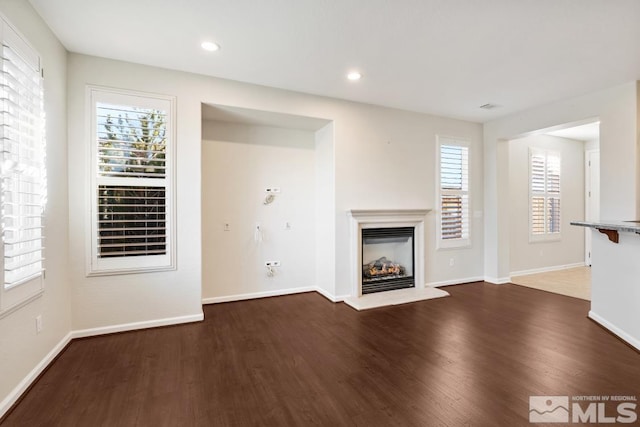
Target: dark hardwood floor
x=470 y=359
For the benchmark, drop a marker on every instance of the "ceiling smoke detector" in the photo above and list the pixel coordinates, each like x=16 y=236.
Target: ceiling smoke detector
x=489 y=106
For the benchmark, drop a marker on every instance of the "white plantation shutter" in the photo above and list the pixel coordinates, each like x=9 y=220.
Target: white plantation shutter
x=23 y=173
x=132 y=141
x=544 y=187
x=453 y=193
x=132 y=195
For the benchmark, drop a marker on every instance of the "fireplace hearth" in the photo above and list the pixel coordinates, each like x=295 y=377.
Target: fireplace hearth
x=388 y=255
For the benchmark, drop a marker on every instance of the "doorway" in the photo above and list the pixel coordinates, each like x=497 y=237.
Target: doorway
x=557 y=265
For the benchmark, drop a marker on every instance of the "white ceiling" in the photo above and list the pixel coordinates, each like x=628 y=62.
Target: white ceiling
x=588 y=132
x=445 y=57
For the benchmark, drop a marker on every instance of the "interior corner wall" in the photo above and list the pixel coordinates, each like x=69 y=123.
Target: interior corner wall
x=325 y=210
x=569 y=249
x=616 y=108
x=128 y=301
x=239 y=161
x=21 y=349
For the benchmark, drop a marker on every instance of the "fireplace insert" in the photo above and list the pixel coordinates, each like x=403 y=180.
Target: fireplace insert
x=387 y=258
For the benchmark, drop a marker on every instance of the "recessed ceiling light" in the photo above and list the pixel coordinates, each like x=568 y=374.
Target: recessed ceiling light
x=210 y=46
x=354 y=75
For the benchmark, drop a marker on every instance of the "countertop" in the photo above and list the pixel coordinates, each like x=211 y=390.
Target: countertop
x=630 y=226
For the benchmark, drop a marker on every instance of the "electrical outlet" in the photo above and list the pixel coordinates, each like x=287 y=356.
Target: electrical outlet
x=38 y=323
x=272 y=264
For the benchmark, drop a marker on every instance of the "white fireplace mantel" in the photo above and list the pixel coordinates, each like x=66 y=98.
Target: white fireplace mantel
x=373 y=218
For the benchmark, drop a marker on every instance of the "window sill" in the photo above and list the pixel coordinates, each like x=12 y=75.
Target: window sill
x=545 y=239
x=18 y=305
x=453 y=245
x=122 y=271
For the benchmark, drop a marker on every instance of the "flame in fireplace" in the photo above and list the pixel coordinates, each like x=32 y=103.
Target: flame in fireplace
x=382 y=267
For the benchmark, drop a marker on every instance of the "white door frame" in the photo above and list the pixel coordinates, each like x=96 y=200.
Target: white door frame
x=591 y=197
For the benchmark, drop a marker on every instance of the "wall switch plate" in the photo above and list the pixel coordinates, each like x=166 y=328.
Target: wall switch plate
x=38 y=323
x=272 y=264
x=451 y=262
x=226 y=226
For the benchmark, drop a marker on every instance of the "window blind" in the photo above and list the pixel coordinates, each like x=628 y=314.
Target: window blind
x=23 y=189
x=454 y=192
x=131 y=193
x=132 y=221
x=132 y=213
x=545 y=192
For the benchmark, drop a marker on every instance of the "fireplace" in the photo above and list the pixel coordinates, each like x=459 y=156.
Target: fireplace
x=391 y=239
x=387 y=255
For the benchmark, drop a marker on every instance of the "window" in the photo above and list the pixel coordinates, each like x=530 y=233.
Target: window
x=22 y=171
x=132 y=177
x=453 y=197
x=544 y=190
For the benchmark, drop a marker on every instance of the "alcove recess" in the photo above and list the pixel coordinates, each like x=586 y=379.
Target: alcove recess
x=244 y=153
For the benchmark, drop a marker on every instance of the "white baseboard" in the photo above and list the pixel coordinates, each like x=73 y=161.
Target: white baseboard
x=634 y=342
x=497 y=280
x=137 y=325
x=330 y=296
x=276 y=293
x=547 y=269
x=455 y=282
x=15 y=394
x=254 y=295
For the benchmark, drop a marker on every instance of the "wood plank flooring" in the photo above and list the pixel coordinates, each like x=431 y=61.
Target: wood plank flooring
x=470 y=359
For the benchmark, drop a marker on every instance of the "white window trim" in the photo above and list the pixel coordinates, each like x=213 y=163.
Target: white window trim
x=136 y=264
x=23 y=292
x=451 y=243
x=546 y=236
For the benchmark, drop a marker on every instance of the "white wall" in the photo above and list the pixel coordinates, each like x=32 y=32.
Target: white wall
x=616 y=110
x=593 y=144
x=325 y=211
x=21 y=349
x=239 y=162
x=383 y=158
x=526 y=255
x=615 y=294
x=107 y=303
